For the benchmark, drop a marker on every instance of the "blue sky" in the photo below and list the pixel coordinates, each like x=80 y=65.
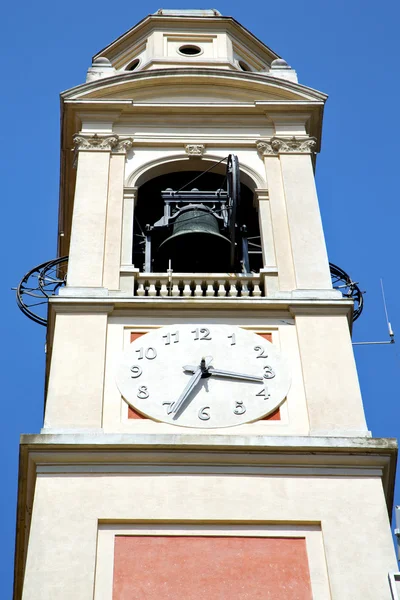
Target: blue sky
x=347 y=49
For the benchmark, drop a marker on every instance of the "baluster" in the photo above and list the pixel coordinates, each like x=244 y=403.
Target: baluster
x=198 y=289
x=140 y=289
x=234 y=292
x=152 y=289
x=245 y=288
x=221 y=291
x=163 y=289
x=210 y=291
x=175 y=289
x=186 y=288
x=256 y=289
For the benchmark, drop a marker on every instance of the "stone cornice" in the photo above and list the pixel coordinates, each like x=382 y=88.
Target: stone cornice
x=102 y=143
x=280 y=145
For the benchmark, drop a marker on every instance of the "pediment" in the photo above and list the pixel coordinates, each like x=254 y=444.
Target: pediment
x=167 y=86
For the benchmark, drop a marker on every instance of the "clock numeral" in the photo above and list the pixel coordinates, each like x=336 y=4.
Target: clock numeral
x=149 y=353
x=261 y=350
x=136 y=371
x=240 y=408
x=142 y=392
x=264 y=393
x=233 y=338
x=206 y=334
x=203 y=414
x=269 y=373
x=170 y=406
x=168 y=336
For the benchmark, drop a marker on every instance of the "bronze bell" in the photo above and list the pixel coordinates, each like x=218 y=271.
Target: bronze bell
x=196 y=245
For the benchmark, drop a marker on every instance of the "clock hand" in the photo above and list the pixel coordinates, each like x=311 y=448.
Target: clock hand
x=227 y=374
x=193 y=381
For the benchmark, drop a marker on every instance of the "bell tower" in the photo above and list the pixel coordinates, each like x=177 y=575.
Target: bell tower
x=204 y=431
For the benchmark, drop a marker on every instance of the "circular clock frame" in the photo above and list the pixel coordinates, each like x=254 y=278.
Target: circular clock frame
x=236 y=376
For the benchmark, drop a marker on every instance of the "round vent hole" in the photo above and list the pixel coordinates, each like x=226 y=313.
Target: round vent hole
x=244 y=66
x=134 y=65
x=190 y=50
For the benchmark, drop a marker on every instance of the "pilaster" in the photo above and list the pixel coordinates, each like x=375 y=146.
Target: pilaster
x=308 y=250
x=76 y=379
x=329 y=373
x=114 y=220
x=89 y=220
x=279 y=221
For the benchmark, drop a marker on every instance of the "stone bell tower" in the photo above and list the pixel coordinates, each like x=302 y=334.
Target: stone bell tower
x=204 y=433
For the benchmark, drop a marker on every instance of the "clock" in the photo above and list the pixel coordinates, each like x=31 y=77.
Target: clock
x=203 y=376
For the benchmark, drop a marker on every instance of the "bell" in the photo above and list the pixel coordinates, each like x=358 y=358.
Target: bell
x=196 y=244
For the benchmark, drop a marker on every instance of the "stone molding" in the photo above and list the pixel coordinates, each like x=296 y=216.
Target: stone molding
x=279 y=145
x=195 y=149
x=101 y=143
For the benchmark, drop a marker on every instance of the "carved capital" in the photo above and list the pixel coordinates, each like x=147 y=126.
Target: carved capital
x=275 y=146
x=195 y=149
x=123 y=146
x=95 y=142
x=103 y=143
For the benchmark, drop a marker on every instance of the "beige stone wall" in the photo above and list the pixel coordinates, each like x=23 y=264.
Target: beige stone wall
x=350 y=512
x=324 y=397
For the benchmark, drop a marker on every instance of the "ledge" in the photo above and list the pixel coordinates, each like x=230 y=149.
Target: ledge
x=301 y=456
x=120 y=302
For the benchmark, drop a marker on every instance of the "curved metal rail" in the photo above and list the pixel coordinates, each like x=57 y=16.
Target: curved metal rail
x=38 y=285
x=342 y=281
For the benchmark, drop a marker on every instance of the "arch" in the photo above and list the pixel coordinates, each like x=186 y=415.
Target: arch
x=176 y=172
x=164 y=165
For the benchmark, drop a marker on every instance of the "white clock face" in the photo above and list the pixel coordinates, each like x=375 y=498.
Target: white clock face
x=203 y=376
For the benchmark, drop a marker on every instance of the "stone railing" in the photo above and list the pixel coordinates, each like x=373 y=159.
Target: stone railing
x=197 y=285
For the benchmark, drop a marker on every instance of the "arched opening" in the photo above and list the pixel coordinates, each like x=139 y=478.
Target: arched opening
x=199 y=239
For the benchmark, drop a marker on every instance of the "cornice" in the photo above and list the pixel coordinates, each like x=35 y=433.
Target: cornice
x=281 y=145
x=179 y=73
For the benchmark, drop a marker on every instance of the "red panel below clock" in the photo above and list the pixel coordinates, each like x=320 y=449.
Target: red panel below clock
x=210 y=568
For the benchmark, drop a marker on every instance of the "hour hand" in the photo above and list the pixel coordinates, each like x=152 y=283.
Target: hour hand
x=227 y=374
x=193 y=381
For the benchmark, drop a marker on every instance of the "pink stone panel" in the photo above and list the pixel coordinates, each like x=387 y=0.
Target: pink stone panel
x=210 y=568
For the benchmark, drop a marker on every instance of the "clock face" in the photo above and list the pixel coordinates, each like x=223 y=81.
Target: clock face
x=203 y=376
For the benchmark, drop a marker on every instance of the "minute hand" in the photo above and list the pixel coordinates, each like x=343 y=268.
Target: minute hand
x=228 y=374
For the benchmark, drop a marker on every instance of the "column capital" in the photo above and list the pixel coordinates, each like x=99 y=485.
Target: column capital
x=101 y=143
x=291 y=145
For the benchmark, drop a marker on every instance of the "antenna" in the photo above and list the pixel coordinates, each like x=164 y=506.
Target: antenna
x=390 y=330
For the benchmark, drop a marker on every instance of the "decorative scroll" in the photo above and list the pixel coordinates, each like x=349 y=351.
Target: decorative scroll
x=195 y=149
x=292 y=145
